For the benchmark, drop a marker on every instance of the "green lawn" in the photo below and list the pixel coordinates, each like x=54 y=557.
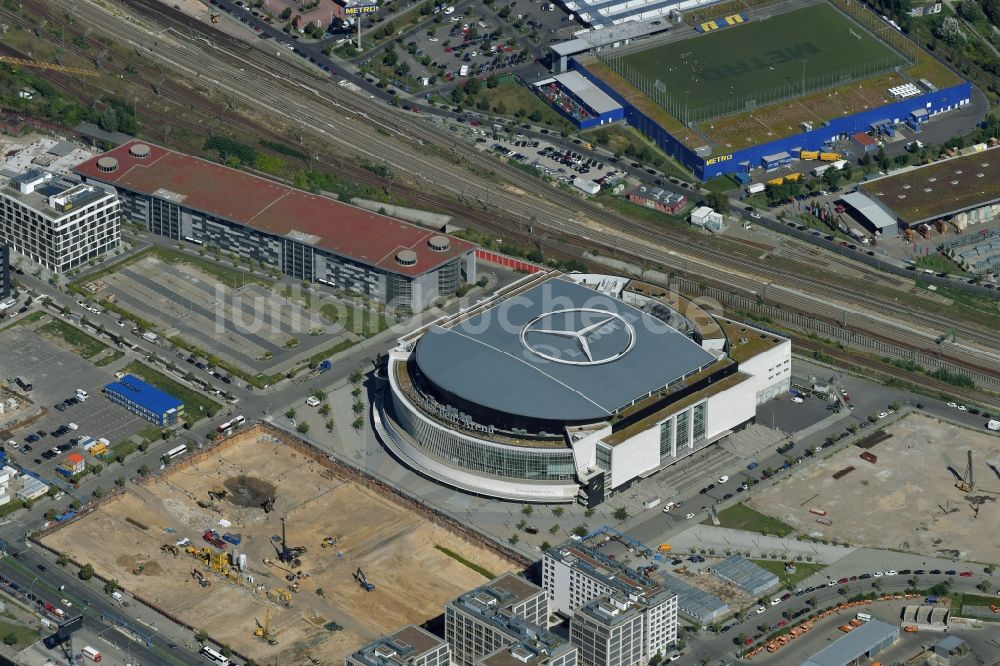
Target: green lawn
x=742 y=517
x=25 y=320
x=725 y=70
x=511 y=99
x=635 y=211
x=196 y=405
x=25 y=636
x=940 y=264
x=802 y=571
x=628 y=141
x=359 y=321
x=959 y=599
x=109 y=359
x=82 y=344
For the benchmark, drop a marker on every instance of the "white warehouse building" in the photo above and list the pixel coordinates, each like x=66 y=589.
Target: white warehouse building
x=550 y=391
x=57 y=223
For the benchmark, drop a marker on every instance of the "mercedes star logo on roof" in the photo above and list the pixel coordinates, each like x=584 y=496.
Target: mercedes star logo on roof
x=582 y=327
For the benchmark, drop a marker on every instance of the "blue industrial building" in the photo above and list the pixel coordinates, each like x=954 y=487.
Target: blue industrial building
x=145 y=400
x=913 y=110
x=578 y=100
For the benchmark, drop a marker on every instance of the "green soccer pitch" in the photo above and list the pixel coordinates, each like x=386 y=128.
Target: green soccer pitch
x=760 y=60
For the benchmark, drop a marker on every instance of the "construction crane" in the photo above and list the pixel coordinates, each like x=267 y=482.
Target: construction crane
x=65 y=69
x=967 y=484
x=288 y=554
x=363 y=581
x=263 y=631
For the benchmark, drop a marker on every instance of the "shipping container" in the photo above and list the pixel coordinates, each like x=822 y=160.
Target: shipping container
x=809 y=154
x=651 y=503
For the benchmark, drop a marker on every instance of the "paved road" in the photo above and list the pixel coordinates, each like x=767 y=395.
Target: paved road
x=717 y=648
x=147 y=636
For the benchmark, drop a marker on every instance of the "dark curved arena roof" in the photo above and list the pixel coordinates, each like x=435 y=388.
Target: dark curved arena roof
x=557 y=352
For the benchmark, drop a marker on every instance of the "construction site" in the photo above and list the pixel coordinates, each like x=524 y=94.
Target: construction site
x=920 y=485
x=276 y=552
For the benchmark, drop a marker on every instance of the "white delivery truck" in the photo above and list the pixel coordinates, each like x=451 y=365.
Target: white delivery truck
x=756 y=188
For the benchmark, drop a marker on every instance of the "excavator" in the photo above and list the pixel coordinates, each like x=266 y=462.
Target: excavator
x=170 y=548
x=200 y=577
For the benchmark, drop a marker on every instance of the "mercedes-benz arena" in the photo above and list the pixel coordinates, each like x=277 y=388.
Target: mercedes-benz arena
x=570 y=388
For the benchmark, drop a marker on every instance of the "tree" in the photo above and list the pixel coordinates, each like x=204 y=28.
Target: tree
x=513 y=539
x=950 y=30
x=144 y=470
x=324 y=409
x=554 y=529
x=590 y=512
x=358 y=423
x=98 y=492
x=580 y=530
x=357 y=376
x=86 y=572
x=290 y=414
x=984 y=586
x=545 y=546
x=527 y=509
x=831 y=177
x=302 y=427
x=319 y=394
x=201 y=636
x=621 y=513
x=558 y=511
x=717 y=201
x=10 y=638
x=970 y=10
x=285 y=14
x=111 y=586
x=120 y=482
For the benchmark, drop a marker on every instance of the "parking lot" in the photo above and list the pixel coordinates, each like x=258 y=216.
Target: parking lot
x=55 y=374
x=250 y=326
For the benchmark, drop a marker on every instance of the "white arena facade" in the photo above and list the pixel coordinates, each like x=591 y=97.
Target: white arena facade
x=569 y=388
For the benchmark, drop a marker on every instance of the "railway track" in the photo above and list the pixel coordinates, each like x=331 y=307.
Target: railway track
x=858 y=360
x=399 y=138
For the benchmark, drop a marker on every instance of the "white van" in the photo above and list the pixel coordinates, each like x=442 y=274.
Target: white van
x=312 y=401
x=118 y=596
x=82 y=395
x=864 y=617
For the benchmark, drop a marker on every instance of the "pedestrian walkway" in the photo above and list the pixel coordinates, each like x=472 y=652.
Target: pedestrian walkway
x=758 y=545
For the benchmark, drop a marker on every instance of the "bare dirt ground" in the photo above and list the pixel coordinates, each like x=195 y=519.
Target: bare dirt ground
x=391 y=544
x=907 y=500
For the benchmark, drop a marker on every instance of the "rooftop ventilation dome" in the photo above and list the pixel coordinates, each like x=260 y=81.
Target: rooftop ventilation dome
x=107 y=164
x=406 y=258
x=139 y=150
x=439 y=243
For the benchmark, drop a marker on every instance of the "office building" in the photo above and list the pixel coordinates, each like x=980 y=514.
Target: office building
x=147 y=401
x=577 y=573
x=409 y=646
x=307 y=236
x=5 y=271
x=56 y=223
x=505 y=611
x=608 y=631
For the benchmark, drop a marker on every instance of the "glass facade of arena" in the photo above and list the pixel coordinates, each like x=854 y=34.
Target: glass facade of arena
x=685 y=429
x=479 y=455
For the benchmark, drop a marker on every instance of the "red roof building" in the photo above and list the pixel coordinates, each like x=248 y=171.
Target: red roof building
x=309 y=236
x=865 y=142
